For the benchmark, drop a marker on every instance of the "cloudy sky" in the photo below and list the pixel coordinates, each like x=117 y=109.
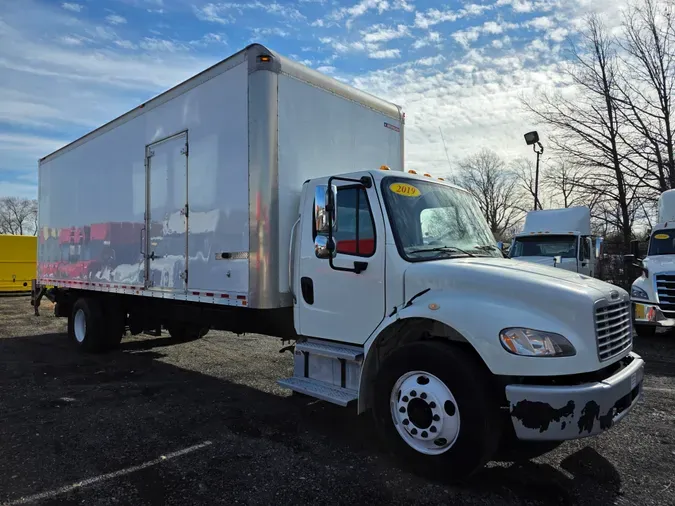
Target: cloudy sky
x=456 y=67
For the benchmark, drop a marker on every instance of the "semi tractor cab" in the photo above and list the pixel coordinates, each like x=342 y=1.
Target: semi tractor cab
x=274 y=200
x=560 y=238
x=653 y=292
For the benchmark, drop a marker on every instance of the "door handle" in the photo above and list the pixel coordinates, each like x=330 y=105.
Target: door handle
x=307 y=287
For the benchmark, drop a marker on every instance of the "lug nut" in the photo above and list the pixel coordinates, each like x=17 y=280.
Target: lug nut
x=423 y=395
x=432 y=404
x=432 y=429
x=405 y=398
x=413 y=394
x=436 y=418
x=424 y=433
x=413 y=432
x=401 y=409
x=406 y=421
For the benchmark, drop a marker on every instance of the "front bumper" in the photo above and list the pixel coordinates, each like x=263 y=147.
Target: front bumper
x=556 y=413
x=646 y=313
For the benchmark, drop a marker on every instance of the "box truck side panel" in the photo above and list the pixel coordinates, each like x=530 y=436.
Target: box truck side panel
x=95 y=193
x=18 y=256
x=320 y=134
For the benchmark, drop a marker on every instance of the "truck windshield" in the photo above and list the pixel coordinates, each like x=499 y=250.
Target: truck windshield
x=432 y=220
x=564 y=246
x=662 y=242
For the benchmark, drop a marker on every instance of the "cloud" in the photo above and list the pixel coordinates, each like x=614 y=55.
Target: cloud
x=431 y=60
x=115 y=19
x=72 y=7
x=431 y=38
x=434 y=16
x=222 y=12
x=155 y=44
x=269 y=32
x=326 y=69
x=380 y=33
x=465 y=37
x=541 y=23
x=382 y=54
x=125 y=44
x=558 y=34
x=70 y=40
x=359 y=9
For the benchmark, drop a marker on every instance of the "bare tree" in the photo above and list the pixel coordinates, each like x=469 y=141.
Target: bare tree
x=18 y=216
x=565 y=182
x=524 y=171
x=646 y=94
x=496 y=189
x=587 y=127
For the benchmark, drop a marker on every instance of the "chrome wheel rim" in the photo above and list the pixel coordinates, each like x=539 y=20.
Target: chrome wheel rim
x=80 y=325
x=425 y=412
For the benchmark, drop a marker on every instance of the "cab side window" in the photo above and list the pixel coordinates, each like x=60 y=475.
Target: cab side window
x=356 y=228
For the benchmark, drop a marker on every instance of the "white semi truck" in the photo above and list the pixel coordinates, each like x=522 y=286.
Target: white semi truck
x=560 y=238
x=250 y=199
x=653 y=293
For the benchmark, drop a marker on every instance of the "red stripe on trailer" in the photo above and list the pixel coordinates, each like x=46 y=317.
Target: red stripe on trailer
x=209 y=294
x=195 y=293
x=225 y=295
x=241 y=297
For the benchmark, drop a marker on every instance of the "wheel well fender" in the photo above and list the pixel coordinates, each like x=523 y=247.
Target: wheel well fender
x=399 y=333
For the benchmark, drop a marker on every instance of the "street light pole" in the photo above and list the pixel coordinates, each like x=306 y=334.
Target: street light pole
x=532 y=139
x=536 y=176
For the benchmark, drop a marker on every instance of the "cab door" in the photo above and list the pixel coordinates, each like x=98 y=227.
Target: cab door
x=336 y=302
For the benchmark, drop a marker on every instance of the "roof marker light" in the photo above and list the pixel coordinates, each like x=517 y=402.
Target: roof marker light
x=412 y=172
x=384 y=167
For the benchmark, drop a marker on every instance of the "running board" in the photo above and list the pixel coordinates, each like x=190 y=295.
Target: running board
x=320 y=390
x=331 y=350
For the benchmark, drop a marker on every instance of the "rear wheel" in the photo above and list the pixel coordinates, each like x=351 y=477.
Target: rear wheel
x=645 y=330
x=85 y=326
x=434 y=407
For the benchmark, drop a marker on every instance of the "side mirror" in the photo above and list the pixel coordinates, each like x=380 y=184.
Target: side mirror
x=635 y=248
x=556 y=260
x=500 y=245
x=598 y=247
x=322 y=199
x=324 y=247
x=629 y=259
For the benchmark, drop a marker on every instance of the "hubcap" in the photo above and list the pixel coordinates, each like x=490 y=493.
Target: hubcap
x=424 y=412
x=80 y=325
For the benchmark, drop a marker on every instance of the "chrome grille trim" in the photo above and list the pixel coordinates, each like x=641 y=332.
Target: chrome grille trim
x=665 y=293
x=613 y=329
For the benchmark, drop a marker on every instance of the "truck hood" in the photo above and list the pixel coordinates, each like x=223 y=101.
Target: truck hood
x=521 y=279
x=569 y=264
x=659 y=264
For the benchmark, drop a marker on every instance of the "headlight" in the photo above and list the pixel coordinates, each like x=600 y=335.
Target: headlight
x=535 y=343
x=638 y=293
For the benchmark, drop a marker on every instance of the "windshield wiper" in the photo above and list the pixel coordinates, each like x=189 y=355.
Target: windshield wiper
x=446 y=249
x=488 y=246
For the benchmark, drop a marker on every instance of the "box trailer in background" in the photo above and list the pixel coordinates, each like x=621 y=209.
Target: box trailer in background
x=560 y=238
x=18 y=262
x=261 y=196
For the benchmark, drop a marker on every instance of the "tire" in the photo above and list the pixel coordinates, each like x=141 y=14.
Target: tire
x=468 y=417
x=184 y=332
x=512 y=449
x=86 y=326
x=645 y=330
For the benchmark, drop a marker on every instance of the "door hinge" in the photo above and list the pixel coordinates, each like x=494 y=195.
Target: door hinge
x=184 y=276
x=151 y=153
x=185 y=211
x=185 y=151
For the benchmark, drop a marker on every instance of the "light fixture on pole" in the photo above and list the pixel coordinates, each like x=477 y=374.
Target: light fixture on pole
x=532 y=139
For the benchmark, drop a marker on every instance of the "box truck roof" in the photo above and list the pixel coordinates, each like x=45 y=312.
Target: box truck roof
x=667 y=206
x=259 y=58
x=575 y=220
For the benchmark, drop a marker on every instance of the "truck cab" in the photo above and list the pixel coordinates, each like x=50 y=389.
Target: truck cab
x=653 y=292
x=560 y=238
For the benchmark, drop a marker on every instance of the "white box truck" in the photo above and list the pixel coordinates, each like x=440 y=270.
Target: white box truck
x=250 y=199
x=560 y=238
x=653 y=293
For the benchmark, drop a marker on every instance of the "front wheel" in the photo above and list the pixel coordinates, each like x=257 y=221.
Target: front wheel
x=434 y=407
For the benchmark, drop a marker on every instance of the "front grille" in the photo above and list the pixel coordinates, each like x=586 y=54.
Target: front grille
x=613 y=328
x=665 y=289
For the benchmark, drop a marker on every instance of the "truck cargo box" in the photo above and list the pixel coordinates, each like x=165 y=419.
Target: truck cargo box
x=193 y=194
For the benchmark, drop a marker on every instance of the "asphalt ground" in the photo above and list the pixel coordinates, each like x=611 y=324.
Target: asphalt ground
x=205 y=423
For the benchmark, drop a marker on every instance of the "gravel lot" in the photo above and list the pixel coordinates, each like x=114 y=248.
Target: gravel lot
x=204 y=423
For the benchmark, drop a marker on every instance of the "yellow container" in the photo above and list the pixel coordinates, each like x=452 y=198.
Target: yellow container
x=18 y=262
